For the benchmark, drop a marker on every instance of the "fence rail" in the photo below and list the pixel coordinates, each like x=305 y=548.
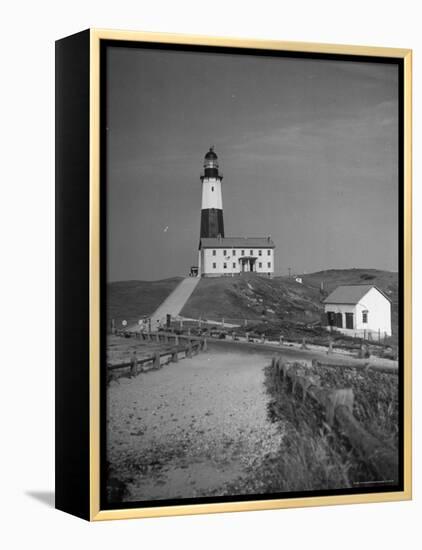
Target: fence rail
x=192 y=347
x=338 y=406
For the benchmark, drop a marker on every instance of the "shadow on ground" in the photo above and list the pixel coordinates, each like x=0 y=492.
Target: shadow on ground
x=45 y=497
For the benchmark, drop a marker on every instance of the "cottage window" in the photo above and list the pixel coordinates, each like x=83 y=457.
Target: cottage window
x=234 y=252
x=214 y=265
x=365 y=317
x=268 y=252
x=250 y=252
x=214 y=252
x=243 y=252
x=269 y=264
x=224 y=252
x=260 y=264
x=225 y=265
x=259 y=252
x=234 y=265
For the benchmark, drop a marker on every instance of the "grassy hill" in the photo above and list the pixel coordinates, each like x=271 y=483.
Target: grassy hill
x=132 y=300
x=280 y=301
x=253 y=297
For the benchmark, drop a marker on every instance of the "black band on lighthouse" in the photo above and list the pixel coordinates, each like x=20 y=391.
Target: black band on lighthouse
x=212 y=224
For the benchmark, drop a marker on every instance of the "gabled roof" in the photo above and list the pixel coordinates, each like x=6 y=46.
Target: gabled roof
x=237 y=242
x=350 y=294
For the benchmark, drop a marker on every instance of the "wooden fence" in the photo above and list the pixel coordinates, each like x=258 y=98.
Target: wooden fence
x=190 y=348
x=338 y=406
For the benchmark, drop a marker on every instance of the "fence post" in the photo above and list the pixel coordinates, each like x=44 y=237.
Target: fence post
x=189 y=350
x=157 y=362
x=204 y=344
x=246 y=323
x=281 y=339
x=176 y=340
x=174 y=356
x=133 y=365
x=222 y=322
x=330 y=347
x=304 y=346
x=337 y=398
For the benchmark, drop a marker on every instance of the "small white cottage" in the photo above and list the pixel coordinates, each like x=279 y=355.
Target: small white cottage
x=358 y=310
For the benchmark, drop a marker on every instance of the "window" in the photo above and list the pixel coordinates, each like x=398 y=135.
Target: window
x=250 y=252
x=225 y=265
x=224 y=252
x=365 y=317
x=260 y=264
x=268 y=252
x=234 y=265
x=214 y=252
x=214 y=265
x=259 y=252
x=269 y=264
x=243 y=252
x=212 y=188
x=234 y=252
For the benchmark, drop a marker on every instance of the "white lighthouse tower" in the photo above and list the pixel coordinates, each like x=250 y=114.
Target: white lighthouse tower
x=212 y=224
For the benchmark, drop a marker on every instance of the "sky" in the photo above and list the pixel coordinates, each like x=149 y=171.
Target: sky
x=308 y=151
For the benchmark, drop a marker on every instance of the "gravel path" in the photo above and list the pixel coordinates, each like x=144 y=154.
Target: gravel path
x=195 y=428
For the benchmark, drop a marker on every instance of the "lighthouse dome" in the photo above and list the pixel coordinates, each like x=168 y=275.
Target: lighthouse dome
x=211 y=154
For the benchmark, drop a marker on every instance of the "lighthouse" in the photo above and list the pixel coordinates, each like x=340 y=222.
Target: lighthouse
x=212 y=224
x=221 y=256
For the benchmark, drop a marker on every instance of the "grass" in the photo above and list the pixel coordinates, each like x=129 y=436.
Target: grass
x=132 y=300
x=253 y=297
x=315 y=456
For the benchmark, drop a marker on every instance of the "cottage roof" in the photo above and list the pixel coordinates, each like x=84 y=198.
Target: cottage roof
x=237 y=242
x=350 y=294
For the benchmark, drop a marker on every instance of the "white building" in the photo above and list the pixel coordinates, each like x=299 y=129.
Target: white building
x=234 y=255
x=219 y=255
x=358 y=310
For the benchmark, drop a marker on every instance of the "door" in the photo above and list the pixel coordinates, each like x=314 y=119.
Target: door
x=339 y=320
x=349 y=320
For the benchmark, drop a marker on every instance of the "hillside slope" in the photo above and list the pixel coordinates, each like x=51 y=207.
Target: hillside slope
x=252 y=297
x=280 y=300
x=132 y=300
x=283 y=299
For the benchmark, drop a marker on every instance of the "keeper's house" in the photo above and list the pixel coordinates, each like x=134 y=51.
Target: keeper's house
x=358 y=310
x=235 y=255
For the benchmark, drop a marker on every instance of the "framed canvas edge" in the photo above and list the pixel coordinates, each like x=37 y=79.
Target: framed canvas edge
x=96 y=514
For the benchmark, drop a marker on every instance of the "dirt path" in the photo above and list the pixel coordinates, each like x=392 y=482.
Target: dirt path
x=193 y=428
